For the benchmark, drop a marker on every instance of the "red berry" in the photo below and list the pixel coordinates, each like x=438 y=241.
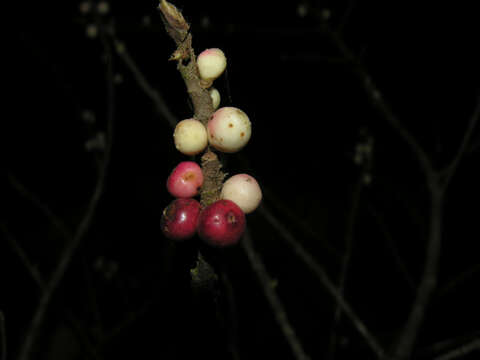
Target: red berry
x=185 y=180
x=179 y=219
x=221 y=223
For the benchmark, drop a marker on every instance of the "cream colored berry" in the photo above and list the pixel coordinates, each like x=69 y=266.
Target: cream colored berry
x=244 y=191
x=215 y=95
x=229 y=129
x=190 y=137
x=211 y=64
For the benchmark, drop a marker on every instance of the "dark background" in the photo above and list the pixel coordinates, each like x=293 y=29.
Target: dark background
x=308 y=112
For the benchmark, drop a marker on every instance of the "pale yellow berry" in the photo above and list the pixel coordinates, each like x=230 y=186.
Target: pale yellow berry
x=215 y=95
x=244 y=191
x=190 y=137
x=211 y=64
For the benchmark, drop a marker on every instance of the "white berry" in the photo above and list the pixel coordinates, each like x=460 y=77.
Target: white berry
x=244 y=191
x=190 y=137
x=229 y=129
x=215 y=95
x=211 y=64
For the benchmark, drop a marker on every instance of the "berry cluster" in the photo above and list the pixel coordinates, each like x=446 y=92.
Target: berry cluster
x=228 y=130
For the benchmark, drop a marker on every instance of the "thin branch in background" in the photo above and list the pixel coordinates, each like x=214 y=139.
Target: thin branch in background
x=142 y=82
x=350 y=227
x=449 y=171
x=380 y=104
x=445 y=346
x=31 y=269
x=3 y=337
x=390 y=242
x=461 y=351
x=83 y=227
x=302 y=224
x=41 y=205
x=271 y=295
x=40 y=282
x=322 y=276
x=428 y=281
x=459 y=279
x=232 y=316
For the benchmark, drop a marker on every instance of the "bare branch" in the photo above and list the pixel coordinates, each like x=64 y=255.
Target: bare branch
x=378 y=100
x=32 y=270
x=449 y=171
x=322 y=276
x=461 y=351
x=3 y=338
x=428 y=281
x=271 y=295
x=154 y=95
x=83 y=227
x=350 y=227
x=41 y=205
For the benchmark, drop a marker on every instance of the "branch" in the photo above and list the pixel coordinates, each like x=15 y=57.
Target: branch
x=461 y=351
x=275 y=303
x=322 y=276
x=3 y=337
x=351 y=219
x=377 y=99
x=82 y=229
x=428 y=281
x=154 y=95
x=449 y=171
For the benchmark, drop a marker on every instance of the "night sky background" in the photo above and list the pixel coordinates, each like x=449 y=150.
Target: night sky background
x=127 y=290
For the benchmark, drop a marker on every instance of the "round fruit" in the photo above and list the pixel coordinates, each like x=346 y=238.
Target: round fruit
x=179 y=219
x=244 y=191
x=229 y=129
x=185 y=180
x=190 y=137
x=221 y=224
x=211 y=64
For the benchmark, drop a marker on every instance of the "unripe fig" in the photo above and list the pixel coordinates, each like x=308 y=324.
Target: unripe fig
x=211 y=64
x=179 y=219
x=185 y=180
x=221 y=224
x=215 y=95
x=190 y=137
x=244 y=191
x=229 y=129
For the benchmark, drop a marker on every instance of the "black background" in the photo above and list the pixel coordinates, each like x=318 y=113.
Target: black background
x=308 y=112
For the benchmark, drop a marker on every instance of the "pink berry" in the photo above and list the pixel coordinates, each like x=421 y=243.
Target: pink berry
x=179 y=219
x=185 y=180
x=221 y=224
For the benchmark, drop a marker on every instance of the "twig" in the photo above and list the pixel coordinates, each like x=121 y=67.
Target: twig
x=460 y=278
x=352 y=216
x=275 y=303
x=232 y=316
x=322 y=276
x=377 y=99
x=41 y=205
x=40 y=282
x=3 y=337
x=142 y=82
x=445 y=346
x=449 y=171
x=428 y=281
x=82 y=229
x=392 y=246
x=461 y=351
x=32 y=270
